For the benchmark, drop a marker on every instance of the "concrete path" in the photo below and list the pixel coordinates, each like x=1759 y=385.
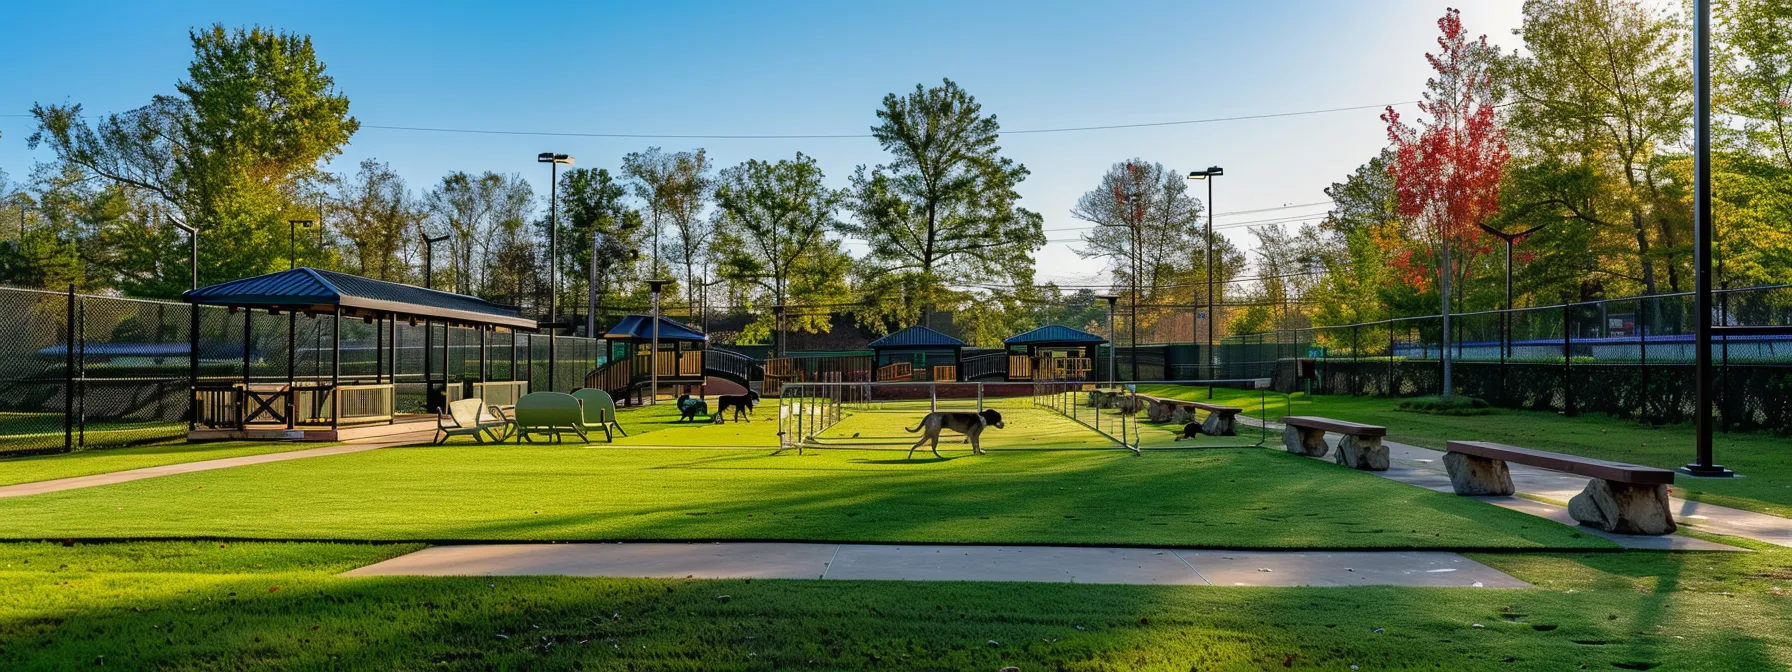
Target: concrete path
x=357 y=446
x=1424 y=467
x=1048 y=564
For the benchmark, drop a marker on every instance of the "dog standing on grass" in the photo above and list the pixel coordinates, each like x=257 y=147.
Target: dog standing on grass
x=739 y=402
x=970 y=424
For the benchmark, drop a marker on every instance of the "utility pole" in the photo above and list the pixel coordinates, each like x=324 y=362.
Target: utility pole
x=554 y=161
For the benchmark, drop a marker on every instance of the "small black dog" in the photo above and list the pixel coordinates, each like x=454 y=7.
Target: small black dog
x=689 y=409
x=739 y=402
x=1190 y=430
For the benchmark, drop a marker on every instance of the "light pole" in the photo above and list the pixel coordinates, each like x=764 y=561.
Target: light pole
x=1509 y=238
x=1703 y=464
x=1134 y=219
x=1111 y=299
x=429 y=274
x=292 y=240
x=653 y=362
x=192 y=247
x=554 y=161
x=1213 y=312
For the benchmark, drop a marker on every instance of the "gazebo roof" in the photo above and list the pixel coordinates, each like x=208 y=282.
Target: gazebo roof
x=640 y=327
x=308 y=288
x=1054 y=333
x=916 y=337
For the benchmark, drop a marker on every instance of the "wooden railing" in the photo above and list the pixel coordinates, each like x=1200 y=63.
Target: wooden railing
x=217 y=406
x=1020 y=367
x=361 y=404
x=945 y=374
x=896 y=371
x=1062 y=368
x=690 y=363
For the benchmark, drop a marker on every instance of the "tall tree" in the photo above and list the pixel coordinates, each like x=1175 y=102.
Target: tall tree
x=483 y=214
x=604 y=233
x=772 y=220
x=1147 y=224
x=1447 y=170
x=228 y=152
x=943 y=211
x=675 y=186
x=1752 y=180
x=379 y=217
x=1605 y=86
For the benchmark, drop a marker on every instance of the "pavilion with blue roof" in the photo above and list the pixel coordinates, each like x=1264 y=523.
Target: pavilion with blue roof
x=917 y=353
x=630 y=346
x=1053 y=352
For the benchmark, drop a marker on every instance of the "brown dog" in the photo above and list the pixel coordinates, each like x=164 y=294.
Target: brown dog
x=971 y=425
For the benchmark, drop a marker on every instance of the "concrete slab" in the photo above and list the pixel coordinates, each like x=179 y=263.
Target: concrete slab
x=1051 y=564
x=666 y=561
x=1414 y=568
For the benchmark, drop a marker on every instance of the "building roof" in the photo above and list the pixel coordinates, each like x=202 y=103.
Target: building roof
x=303 y=288
x=1054 y=333
x=917 y=337
x=640 y=327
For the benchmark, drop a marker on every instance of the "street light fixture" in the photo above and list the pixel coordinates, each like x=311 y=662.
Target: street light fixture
x=192 y=247
x=429 y=274
x=292 y=240
x=554 y=162
x=1506 y=317
x=653 y=362
x=1213 y=312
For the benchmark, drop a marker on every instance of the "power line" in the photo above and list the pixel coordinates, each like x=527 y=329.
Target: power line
x=826 y=136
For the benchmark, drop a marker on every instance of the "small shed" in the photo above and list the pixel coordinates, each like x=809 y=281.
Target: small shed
x=630 y=345
x=1052 y=352
x=917 y=353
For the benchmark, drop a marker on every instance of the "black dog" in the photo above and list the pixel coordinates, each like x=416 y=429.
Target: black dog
x=1190 y=430
x=739 y=402
x=689 y=409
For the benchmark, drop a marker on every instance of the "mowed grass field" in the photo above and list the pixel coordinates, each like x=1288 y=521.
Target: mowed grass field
x=1764 y=459
x=86 y=463
x=210 y=605
x=1241 y=498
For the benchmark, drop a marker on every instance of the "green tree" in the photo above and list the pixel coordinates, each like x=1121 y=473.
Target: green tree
x=943 y=212
x=483 y=215
x=772 y=220
x=1604 y=88
x=380 y=219
x=1169 y=253
x=228 y=152
x=675 y=186
x=603 y=234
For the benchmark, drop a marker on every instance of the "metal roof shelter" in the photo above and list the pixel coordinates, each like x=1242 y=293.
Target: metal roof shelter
x=327 y=406
x=640 y=327
x=917 y=353
x=1054 y=352
x=633 y=367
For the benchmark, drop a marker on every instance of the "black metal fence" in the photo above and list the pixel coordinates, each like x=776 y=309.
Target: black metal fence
x=80 y=372
x=1631 y=358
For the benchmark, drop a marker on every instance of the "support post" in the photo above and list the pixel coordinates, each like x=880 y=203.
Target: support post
x=248 y=313
x=193 y=367
x=1567 y=360
x=1703 y=464
x=336 y=370
x=68 y=376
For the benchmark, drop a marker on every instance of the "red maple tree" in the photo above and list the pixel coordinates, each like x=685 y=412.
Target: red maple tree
x=1447 y=169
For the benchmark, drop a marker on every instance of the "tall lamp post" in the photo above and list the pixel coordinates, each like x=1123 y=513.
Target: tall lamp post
x=192 y=247
x=292 y=240
x=554 y=162
x=429 y=282
x=1213 y=312
x=653 y=362
x=1111 y=299
x=1703 y=464
x=1510 y=239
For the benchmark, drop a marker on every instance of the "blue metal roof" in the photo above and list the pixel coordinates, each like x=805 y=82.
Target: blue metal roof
x=641 y=327
x=1054 y=333
x=302 y=288
x=917 y=337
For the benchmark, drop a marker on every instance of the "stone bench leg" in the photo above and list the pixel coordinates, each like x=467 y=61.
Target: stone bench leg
x=1156 y=411
x=1365 y=453
x=1303 y=441
x=1181 y=416
x=1220 y=424
x=1623 y=508
x=1478 y=476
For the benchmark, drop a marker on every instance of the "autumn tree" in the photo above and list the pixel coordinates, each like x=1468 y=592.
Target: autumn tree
x=1447 y=169
x=773 y=220
x=943 y=213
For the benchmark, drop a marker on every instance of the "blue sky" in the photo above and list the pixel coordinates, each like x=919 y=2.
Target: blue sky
x=801 y=68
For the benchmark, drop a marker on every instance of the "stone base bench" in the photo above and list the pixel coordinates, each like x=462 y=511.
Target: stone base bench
x=1359 y=447
x=1621 y=498
x=1221 y=420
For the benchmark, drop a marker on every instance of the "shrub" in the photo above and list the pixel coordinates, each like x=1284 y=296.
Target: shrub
x=1456 y=405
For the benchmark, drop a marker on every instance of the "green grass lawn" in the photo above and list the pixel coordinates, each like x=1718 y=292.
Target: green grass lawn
x=194 y=605
x=89 y=462
x=1217 y=498
x=1765 y=460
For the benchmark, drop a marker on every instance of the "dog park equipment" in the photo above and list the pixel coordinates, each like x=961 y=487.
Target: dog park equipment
x=1112 y=412
x=549 y=413
x=1359 y=448
x=598 y=411
x=462 y=418
x=1621 y=498
x=917 y=354
x=633 y=362
x=1221 y=420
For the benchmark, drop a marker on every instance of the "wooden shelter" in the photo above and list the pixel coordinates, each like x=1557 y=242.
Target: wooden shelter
x=1052 y=352
x=917 y=353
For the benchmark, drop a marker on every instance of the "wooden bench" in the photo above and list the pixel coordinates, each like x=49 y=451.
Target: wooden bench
x=1221 y=420
x=1359 y=448
x=1621 y=498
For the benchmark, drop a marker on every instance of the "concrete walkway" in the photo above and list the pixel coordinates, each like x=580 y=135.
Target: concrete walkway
x=357 y=446
x=1048 y=564
x=1424 y=467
